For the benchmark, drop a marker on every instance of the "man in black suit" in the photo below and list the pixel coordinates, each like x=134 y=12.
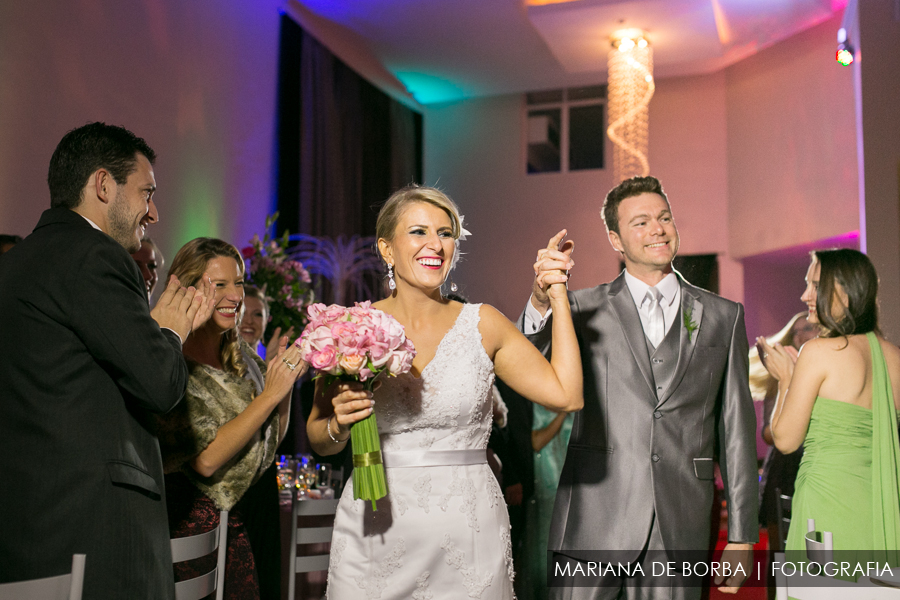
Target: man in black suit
x=82 y=362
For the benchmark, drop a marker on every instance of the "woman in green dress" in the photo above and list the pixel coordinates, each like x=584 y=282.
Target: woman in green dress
x=838 y=398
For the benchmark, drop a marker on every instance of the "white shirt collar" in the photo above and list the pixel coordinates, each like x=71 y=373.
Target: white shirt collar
x=668 y=287
x=94 y=225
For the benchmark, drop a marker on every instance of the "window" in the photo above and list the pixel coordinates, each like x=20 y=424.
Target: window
x=565 y=129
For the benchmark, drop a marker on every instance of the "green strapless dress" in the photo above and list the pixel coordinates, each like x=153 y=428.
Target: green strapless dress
x=849 y=480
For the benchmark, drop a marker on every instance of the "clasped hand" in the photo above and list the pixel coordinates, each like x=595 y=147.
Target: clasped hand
x=778 y=360
x=552 y=267
x=183 y=310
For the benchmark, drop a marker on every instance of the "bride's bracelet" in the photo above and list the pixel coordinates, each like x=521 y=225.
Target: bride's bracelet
x=331 y=435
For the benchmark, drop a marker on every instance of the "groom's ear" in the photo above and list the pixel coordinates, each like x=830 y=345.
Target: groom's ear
x=615 y=241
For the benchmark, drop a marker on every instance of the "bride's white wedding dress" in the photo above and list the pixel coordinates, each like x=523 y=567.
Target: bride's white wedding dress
x=442 y=531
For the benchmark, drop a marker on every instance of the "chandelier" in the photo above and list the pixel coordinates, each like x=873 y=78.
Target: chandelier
x=631 y=87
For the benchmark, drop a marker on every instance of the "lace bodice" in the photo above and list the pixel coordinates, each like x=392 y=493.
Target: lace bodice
x=449 y=406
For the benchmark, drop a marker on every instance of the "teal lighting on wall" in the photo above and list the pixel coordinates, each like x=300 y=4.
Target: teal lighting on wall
x=428 y=89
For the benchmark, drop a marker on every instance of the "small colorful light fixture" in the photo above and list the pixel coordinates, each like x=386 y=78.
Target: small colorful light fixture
x=844 y=53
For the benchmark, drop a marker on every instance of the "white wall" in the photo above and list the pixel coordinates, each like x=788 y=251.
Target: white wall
x=197 y=80
x=792 y=171
x=474 y=151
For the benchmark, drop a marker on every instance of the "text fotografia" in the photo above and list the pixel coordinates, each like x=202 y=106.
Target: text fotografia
x=833 y=569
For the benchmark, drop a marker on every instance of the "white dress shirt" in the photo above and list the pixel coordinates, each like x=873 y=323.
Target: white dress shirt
x=668 y=287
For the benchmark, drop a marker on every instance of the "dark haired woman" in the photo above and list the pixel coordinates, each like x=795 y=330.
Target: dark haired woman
x=223 y=435
x=839 y=401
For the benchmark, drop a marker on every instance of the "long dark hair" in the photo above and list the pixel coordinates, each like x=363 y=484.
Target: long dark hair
x=857 y=277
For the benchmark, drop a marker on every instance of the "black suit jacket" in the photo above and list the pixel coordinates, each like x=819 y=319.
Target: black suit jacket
x=81 y=363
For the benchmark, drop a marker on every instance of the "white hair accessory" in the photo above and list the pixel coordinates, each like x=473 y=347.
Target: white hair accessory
x=463 y=232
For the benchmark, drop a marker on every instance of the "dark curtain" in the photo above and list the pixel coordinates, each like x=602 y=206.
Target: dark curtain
x=344 y=146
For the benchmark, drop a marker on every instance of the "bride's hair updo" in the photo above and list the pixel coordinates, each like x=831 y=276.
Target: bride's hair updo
x=188 y=266
x=389 y=215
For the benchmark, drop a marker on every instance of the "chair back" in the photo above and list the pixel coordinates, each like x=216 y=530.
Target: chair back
x=59 y=587
x=783 y=512
x=819 y=544
x=304 y=534
x=195 y=546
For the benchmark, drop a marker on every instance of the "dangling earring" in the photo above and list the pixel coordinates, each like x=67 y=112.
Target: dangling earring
x=391 y=283
x=453 y=286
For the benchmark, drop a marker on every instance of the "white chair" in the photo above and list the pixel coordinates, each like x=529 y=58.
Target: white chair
x=195 y=546
x=304 y=535
x=820 y=549
x=59 y=587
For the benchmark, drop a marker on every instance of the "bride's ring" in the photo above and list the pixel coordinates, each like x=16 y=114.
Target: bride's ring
x=290 y=365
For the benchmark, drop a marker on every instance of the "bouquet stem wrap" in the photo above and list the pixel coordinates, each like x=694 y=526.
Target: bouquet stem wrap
x=368 y=467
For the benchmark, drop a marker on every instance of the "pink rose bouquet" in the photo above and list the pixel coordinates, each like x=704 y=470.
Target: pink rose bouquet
x=358 y=344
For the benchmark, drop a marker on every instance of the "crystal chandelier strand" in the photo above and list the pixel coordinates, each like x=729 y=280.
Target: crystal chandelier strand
x=631 y=87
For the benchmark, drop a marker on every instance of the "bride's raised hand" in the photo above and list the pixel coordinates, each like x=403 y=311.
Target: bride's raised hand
x=553 y=265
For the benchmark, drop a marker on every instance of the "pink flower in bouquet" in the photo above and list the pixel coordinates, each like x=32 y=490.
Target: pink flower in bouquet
x=352 y=363
x=325 y=359
x=319 y=338
x=346 y=335
x=400 y=360
x=387 y=329
x=379 y=353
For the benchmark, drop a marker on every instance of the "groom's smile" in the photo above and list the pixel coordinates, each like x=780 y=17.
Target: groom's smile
x=647 y=237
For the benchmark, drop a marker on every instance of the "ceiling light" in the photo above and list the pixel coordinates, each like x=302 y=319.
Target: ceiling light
x=630 y=89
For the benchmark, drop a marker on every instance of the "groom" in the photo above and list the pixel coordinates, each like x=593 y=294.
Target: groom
x=665 y=378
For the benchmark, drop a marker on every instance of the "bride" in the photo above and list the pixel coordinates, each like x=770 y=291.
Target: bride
x=442 y=531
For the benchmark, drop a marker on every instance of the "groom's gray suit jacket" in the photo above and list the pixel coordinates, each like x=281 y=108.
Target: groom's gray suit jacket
x=636 y=451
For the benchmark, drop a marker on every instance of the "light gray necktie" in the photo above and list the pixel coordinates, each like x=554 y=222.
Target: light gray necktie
x=656 y=325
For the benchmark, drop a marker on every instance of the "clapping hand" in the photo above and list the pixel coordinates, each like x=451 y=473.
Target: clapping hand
x=778 y=360
x=179 y=308
x=275 y=341
x=283 y=369
x=207 y=304
x=551 y=267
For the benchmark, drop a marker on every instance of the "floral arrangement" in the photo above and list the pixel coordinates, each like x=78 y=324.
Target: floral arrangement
x=358 y=344
x=284 y=282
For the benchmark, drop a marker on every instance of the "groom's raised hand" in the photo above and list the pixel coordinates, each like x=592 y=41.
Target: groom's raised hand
x=551 y=266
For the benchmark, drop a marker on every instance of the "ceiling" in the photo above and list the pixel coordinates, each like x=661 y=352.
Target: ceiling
x=445 y=50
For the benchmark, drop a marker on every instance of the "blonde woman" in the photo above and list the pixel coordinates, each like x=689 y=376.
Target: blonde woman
x=223 y=435
x=442 y=530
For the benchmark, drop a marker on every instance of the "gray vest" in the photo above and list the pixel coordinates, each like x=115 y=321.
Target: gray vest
x=664 y=358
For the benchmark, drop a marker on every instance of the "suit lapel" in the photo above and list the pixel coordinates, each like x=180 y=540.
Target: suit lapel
x=690 y=305
x=630 y=321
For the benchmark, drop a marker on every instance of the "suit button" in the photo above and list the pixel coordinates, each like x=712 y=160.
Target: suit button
x=657 y=415
x=655 y=458
x=657 y=361
x=659 y=388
